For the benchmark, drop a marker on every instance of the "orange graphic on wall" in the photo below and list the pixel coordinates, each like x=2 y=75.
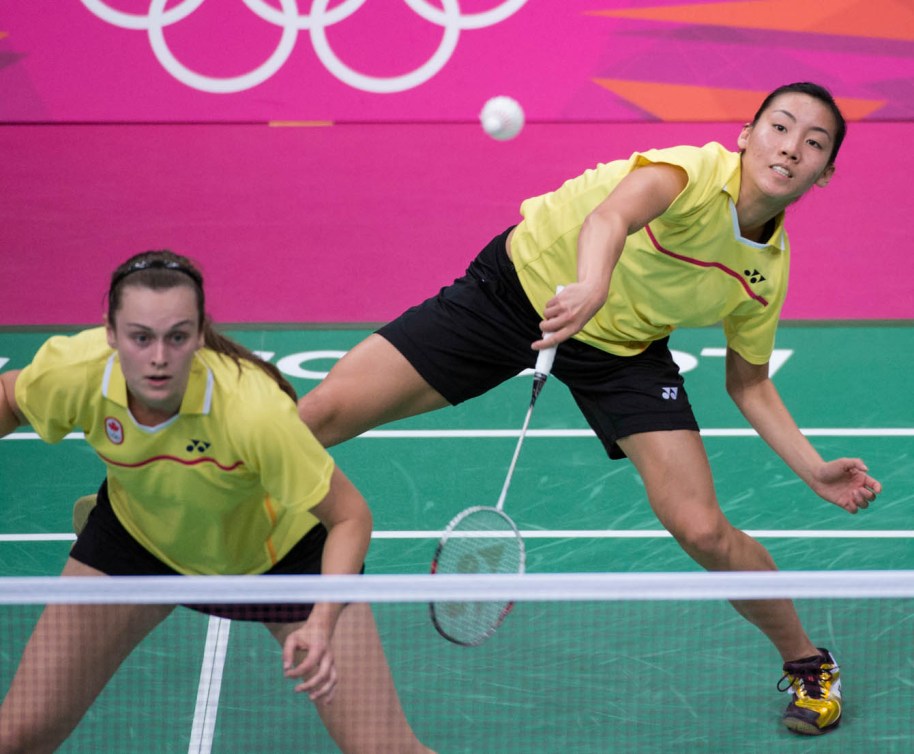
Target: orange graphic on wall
x=680 y=102
x=879 y=19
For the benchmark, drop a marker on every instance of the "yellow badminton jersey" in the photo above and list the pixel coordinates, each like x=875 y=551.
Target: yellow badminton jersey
x=223 y=487
x=690 y=267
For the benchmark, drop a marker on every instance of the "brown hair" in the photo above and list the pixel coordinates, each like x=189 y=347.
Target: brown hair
x=163 y=269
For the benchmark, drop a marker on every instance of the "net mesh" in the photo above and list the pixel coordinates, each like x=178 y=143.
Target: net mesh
x=585 y=663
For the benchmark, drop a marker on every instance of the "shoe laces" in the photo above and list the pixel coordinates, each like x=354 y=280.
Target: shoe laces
x=807 y=677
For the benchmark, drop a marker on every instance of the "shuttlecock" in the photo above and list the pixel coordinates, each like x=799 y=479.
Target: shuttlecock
x=502 y=118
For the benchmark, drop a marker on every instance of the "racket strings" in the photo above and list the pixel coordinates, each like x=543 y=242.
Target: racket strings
x=481 y=540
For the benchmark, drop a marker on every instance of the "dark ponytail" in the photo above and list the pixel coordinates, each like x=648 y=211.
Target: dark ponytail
x=218 y=342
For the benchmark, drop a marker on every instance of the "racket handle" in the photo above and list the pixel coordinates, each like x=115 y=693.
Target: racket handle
x=544 y=363
x=545 y=358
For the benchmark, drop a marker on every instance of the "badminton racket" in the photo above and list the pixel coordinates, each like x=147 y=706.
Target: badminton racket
x=484 y=539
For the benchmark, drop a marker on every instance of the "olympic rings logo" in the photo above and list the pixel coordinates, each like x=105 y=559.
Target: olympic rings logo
x=288 y=18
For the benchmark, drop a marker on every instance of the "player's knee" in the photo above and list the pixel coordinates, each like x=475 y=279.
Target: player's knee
x=309 y=410
x=318 y=410
x=706 y=540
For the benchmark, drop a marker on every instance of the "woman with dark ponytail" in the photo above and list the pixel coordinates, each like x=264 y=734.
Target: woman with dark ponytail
x=639 y=246
x=253 y=493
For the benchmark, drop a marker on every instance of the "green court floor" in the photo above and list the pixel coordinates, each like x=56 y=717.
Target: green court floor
x=582 y=677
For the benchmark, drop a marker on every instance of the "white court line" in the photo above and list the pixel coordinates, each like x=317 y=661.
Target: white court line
x=655 y=534
x=407 y=434
x=737 y=432
x=210 y=686
x=574 y=534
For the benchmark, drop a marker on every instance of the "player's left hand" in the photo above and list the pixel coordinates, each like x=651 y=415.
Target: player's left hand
x=306 y=655
x=846 y=483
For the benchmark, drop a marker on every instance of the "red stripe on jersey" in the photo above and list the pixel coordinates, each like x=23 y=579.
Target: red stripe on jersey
x=700 y=263
x=182 y=461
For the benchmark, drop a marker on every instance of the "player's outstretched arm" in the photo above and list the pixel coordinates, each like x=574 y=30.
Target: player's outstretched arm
x=844 y=481
x=10 y=416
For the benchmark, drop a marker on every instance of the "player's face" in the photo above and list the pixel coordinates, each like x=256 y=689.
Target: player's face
x=156 y=333
x=786 y=152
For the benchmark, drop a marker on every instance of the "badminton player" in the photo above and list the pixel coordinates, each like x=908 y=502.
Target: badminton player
x=668 y=238
x=253 y=492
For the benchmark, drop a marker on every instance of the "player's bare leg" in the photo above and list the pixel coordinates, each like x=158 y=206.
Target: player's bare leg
x=364 y=716
x=72 y=653
x=371 y=385
x=677 y=478
x=678 y=481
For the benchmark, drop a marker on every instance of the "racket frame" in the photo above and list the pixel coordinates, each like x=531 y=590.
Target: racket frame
x=447 y=535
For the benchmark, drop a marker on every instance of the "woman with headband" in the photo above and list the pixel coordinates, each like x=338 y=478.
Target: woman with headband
x=253 y=493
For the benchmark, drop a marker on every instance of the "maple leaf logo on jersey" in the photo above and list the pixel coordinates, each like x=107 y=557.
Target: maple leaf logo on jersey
x=115 y=430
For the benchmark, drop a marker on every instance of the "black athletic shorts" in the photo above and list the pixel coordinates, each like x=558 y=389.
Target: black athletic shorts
x=476 y=333
x=106 y=545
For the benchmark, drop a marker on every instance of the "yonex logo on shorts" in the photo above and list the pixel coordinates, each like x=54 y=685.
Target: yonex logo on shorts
x=670 y=393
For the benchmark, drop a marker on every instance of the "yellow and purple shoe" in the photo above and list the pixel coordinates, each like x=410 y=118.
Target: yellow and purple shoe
x=815 y=685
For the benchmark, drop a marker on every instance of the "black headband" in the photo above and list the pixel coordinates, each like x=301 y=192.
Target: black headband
x=158 y=264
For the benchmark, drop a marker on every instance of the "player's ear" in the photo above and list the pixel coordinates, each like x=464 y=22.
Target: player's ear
x=743 y=140
x=823 y=180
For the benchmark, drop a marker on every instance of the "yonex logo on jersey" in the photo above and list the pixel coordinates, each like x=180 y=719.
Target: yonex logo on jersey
x=198 y=445
x=670 y=393
x=115 y=430
x=754 y=276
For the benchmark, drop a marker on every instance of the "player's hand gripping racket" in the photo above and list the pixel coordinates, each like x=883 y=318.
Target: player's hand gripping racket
x=483 y=539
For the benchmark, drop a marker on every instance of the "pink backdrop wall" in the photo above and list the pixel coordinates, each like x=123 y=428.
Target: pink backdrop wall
x=114 y=138
x=434 y=60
